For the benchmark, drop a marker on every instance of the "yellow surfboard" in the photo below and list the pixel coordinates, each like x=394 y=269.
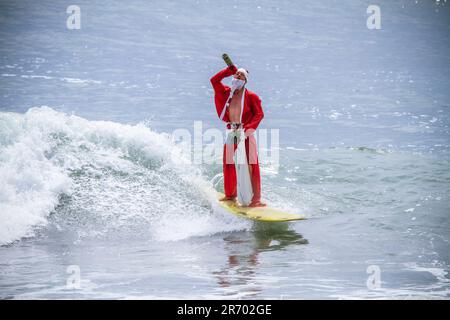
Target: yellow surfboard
x=267 y=214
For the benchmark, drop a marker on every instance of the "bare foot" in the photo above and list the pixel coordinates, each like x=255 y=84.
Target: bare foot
x=225 y=198
x=257 y=204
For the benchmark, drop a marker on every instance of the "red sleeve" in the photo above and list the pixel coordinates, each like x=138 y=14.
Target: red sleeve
x=258 y=114
x=216 y=80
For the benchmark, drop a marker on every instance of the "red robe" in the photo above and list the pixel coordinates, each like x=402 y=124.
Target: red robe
x=252 y=115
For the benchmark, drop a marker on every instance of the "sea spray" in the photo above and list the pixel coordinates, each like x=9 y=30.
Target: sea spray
x=30 y=182
x=112 y=177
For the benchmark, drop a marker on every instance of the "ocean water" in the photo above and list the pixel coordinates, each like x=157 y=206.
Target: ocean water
x=97 y=200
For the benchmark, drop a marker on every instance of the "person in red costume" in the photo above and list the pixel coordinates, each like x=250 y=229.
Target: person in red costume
x=240 y=108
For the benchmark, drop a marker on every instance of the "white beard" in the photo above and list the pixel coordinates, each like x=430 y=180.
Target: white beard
x=237 y=84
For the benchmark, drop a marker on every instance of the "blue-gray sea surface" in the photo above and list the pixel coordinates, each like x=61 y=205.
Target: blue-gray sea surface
x=91 y=188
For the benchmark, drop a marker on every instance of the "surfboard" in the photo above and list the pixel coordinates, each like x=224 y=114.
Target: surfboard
x=266 y=214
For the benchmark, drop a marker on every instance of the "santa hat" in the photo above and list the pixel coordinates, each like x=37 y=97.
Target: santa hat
x=244 y=71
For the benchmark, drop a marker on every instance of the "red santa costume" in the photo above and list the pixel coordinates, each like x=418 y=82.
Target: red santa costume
x=251 y=116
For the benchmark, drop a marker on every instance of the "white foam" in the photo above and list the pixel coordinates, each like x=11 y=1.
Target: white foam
x=30 y=183
x=117 y=177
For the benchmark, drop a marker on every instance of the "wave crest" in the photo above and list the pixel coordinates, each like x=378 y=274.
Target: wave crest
x=114 y=177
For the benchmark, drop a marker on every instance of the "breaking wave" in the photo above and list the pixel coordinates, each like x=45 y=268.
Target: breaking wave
x=98 y=178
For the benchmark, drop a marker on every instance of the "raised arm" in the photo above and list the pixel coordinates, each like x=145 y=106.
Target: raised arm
x=216 y=80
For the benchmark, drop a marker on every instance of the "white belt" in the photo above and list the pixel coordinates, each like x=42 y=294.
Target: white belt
x=235 y=125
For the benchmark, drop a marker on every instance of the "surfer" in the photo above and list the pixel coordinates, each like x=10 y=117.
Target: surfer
x=241 y=109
